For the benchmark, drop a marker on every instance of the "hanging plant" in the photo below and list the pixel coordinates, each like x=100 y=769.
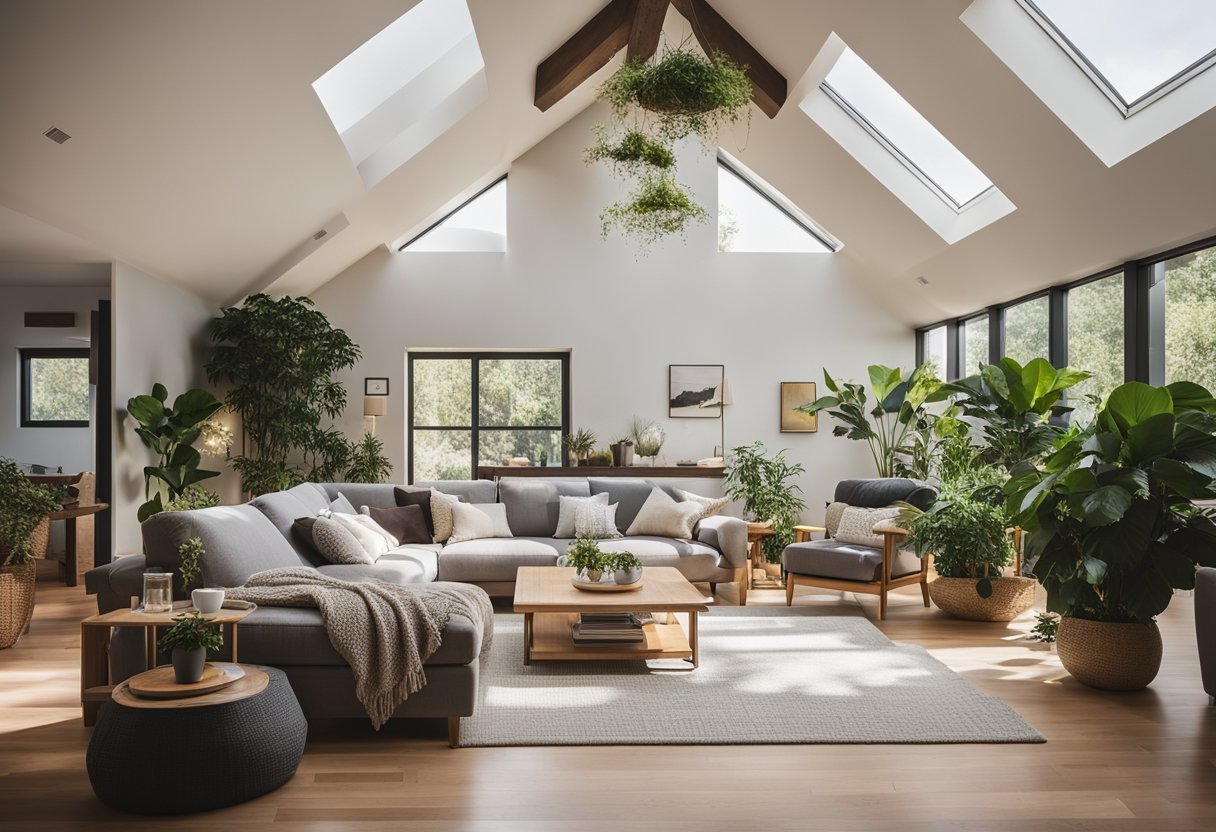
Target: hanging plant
x=658 y=206
x=634 y=153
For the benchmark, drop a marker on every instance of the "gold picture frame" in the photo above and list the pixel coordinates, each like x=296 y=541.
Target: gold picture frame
x=794 y=394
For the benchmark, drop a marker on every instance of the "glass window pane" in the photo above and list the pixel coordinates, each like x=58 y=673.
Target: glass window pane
x=516 y=391
x=495 y=446
x=443 y=455
x=1190 y=310
x=443 y=392
x=479 y=226
x=935 y=349
x=1026 y=330
x=59 y=389
x=1095 y=341
x=749 y=221
x=975 y=345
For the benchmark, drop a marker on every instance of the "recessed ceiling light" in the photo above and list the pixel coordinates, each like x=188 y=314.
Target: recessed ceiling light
x=56 y=135
x=921 y=280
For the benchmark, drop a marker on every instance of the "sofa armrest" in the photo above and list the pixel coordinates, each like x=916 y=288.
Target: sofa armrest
x=1205 y=627
x=115 y=582
x=728 y=535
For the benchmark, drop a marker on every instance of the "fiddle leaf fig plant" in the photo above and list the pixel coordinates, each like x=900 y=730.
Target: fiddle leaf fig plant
x=171 y=431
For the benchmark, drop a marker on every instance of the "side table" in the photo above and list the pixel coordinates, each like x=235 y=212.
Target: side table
x=756 y=532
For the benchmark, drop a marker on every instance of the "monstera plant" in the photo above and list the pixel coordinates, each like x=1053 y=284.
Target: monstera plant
x=1111 y=515
x=171 y=432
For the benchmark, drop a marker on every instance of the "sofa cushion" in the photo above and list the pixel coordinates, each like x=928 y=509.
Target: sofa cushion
x=473 y=491
x=420 y=498
x=567 y=508
x=662 y=515
x=533 y=505
x=377 y=494
x=296 y=637
x=442 y=513
x=844 y=561
x=422 y=558
x=282 y=508
x=629 y=495
x=238 y=541
x=390 y=571
x=342 y=505
x=594 y=519
x=478 y=522
x=496 y=559
x=313 y=496
x=338 y=544
x=709 y=505
x=406 y=523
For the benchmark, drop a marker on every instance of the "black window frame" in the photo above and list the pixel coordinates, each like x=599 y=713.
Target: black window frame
x=27 y=353
x=475 y=357
x=449 y=215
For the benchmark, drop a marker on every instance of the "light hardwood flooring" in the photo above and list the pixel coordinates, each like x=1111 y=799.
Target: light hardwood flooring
x=1139 y=761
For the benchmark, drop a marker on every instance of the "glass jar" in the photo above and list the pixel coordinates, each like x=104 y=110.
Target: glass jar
x=158 y=591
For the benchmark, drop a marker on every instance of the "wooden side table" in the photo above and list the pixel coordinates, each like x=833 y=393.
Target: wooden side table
x=69 y=515
x=95 y=687
x=756 y=532
x=803 y=533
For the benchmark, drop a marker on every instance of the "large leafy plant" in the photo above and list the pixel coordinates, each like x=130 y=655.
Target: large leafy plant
x=1111 y=513
x=897 y=415
x=764 y=483
x=22 y=507
x=280 y=356
x=171 y=431
x=367 y=461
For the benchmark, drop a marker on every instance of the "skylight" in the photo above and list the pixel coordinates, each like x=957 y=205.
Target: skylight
x=404 y=87
x=1134 y=51
x=480 y=224
x=754 y=216
x=896 y=124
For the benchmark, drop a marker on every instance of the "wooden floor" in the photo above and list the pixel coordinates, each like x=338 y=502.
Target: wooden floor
x=1140 y=761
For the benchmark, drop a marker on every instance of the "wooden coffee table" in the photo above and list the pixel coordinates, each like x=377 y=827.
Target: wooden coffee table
x=551 y=605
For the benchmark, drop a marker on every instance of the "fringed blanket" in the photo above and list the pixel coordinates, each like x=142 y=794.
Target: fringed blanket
x=384 y=631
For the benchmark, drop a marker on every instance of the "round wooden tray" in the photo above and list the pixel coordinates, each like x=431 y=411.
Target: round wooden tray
x=160 y=683
x=602 y=587
x=252 y=683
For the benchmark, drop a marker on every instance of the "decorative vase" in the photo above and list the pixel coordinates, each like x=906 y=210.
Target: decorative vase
x=624 y=577
x=188 y=664
x=16 y=601
x=1109 y=655
x=1011 y=596
x=622 y=454
x=593 y=575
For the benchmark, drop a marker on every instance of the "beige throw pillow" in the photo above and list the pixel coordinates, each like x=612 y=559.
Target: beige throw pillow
x=594 y=519
x=441 y=514
x=709 y=505
x=662 y=516
x=566 y=507
x=374 y=540
x=857 y=525
x=336 y=544
x=479 y=521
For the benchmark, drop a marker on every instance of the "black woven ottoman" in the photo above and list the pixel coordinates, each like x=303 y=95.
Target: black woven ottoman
x=178 y=760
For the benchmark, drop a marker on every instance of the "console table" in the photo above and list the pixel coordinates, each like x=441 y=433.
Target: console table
x=493 y=472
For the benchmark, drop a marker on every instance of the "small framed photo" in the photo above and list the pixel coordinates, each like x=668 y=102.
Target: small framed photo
x=695 y=391
x=795 y=394
x=375 y=387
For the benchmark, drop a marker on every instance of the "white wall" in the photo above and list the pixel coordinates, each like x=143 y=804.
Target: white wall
x=159 y=335
x=71 y=448
x=767 y=317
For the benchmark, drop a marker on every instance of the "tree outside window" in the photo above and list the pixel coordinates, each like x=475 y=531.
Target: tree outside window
x=54 y=387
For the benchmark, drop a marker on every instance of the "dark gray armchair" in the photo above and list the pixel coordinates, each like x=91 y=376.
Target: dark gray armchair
x=1205 y=628
x=862 y=551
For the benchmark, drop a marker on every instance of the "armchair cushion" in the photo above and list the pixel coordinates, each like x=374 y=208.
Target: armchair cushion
x=857 y=525
x=881 y=492
x=844 y=561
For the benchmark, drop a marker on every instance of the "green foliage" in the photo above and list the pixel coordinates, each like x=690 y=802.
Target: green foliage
x=621 y=560
x=1110 y=513
x=171 y=431
x=1046 y=628
x=581 y=443
x=764 y=485
x=194 y=497
x=585 y=555
x=600 y=458
x=367 y=462
x=1190 y=308
x=59 y=389
x=656 y=207
x=22 y=507
x=279 y=357
x=892 y=423
x=647 y=437
x=1095 y=342
x=633 y=154
x=192 y=631
x=191 y=569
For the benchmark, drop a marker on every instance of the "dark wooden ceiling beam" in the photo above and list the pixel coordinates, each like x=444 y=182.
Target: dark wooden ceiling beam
x=647 y=28
x=716 y=35
x=588 y=51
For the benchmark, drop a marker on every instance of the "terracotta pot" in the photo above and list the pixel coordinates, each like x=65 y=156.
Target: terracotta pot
x=1108 y=655
x=16 y=601
x=1011 y=596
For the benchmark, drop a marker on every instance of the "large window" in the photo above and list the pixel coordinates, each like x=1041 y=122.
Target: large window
x=478 y=224
x=755 y=216
x=1026 y=331
x=1095 y=340
x=54 y=388
x=933 y=350
x=974 y=348
x=1190 y=318
x=477 y=408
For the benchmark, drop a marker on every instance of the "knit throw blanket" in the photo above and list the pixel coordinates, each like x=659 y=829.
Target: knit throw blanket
x=384 y=631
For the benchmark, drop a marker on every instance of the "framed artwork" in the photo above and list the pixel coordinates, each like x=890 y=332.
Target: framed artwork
x=794 y=394
x=375 y=387
x=695 y=391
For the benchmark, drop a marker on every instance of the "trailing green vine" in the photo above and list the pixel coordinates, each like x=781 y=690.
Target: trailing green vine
x=657 y=207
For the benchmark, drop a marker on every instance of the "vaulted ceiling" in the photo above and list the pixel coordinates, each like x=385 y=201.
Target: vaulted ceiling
x=200 y=152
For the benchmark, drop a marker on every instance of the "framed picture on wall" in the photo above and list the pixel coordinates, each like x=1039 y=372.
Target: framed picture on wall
x=795 y=394
x=695 y=391
x=375 y=387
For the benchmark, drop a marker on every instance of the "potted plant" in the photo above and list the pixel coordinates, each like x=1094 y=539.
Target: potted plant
x=647 y=438
x=764 y=484
x=24 y=534
x=633 y=153
x=625 y=567
x=579 y=446
x=658 y=206
x=600 y=459
x=191 y=638
x=171 y=432
x=1112 y=518
x=590 y=562
x=622 y=452
x=367 y=462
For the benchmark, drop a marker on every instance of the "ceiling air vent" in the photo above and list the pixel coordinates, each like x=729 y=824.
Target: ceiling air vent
x=56 y=135
x=319 y=234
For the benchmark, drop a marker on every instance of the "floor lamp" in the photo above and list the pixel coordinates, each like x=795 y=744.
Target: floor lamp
x=373 y=406
x=724 y=399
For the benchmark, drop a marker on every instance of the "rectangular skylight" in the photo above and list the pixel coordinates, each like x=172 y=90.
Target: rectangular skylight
x=896 y=124
x=1135 y=51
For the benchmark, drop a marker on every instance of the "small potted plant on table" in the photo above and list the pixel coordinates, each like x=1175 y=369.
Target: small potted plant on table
x=590 y=562
x=579 y=446
x=191 y=638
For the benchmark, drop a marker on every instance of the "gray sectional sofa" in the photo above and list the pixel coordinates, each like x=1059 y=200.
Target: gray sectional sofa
x=241 y=540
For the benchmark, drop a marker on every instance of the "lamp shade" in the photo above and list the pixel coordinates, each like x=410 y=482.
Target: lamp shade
x=375 y=405
x=727 y=397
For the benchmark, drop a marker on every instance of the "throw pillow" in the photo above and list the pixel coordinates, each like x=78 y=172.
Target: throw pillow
x=441 y=514
x=422 y=499
x=336 y=543
x=857 y=525
x=478 y=521
x=406 y=523
x=301 y=533
x=664 y=517
x=831 y=517
x=565 y=512
x=374 y=540
x=709 y=505
x=594 y=519
x=341 y=505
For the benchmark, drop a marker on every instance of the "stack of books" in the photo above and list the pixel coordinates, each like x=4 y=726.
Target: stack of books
x=598 y=628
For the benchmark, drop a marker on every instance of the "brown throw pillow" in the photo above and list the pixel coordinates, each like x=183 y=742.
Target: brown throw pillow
x=301 y=532
x=422 y=499
x=406 y=523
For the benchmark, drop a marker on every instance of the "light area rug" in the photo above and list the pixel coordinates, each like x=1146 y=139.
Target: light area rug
x=762 y=679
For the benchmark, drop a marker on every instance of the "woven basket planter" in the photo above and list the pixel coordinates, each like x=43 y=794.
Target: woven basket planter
x=16 y=601
x=40 y=538
x=1011 y=596
x=1107 y=655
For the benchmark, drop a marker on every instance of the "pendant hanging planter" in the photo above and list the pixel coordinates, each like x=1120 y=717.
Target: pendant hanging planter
x=659 y=206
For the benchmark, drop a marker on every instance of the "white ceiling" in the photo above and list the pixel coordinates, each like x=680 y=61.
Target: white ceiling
x=200 y=152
